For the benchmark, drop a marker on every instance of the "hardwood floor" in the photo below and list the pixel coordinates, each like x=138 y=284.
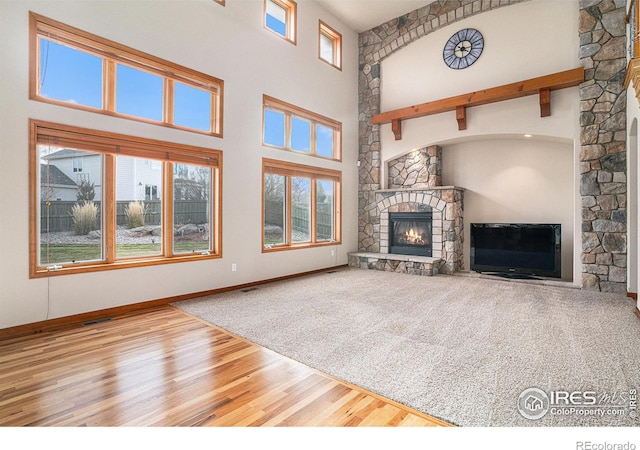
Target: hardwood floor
x=166 y=368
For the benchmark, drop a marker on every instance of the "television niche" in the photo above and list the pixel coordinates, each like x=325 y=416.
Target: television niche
x=516 y=250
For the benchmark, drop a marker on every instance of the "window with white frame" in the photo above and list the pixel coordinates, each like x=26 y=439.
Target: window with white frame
x=77 y=164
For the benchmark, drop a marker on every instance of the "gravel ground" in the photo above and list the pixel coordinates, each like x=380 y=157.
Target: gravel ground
x=122 y=237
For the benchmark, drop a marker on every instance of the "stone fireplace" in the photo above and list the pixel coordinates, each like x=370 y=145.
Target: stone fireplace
x=414 y=192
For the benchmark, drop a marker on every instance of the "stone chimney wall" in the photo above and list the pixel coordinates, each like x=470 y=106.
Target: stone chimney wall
x=603 y=157
x=418 y=169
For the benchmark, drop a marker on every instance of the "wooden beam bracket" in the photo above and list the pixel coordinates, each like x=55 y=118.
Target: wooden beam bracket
x=541 y=86
x=545 y=102
x=461 y=117
x=396 y=127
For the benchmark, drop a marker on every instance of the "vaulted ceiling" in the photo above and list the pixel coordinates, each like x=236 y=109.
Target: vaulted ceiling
x=363 y=15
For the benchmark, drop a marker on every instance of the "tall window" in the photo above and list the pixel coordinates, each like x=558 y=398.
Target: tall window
x=73 y=68
x=330 y=45
x=292 y=128
x=140 y=201
x=280 y=17
x=301 y=206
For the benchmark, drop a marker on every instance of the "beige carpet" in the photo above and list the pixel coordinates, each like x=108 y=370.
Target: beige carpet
x=460 y=348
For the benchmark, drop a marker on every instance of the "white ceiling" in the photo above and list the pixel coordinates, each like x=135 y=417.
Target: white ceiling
x=363 y=15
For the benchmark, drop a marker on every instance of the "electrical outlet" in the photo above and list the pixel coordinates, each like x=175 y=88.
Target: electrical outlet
x=234 y=267
x=333 y=252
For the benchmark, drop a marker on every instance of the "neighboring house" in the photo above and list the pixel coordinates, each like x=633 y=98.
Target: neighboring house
x=78 y=166
x=140 y=179
x=55 y=185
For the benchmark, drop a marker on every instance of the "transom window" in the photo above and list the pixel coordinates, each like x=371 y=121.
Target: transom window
x=301 y=206
x=138 y=201
x=330 y=45
x=280 y=17
x=292 y=128
x=73 y=68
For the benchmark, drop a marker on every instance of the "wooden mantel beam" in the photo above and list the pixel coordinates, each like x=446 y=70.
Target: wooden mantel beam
x=540 y=85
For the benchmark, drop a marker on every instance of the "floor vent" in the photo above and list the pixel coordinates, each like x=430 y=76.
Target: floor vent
x=97 y=321
x=249 y=289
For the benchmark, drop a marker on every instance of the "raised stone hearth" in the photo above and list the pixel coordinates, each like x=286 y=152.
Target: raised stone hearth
x=412 y=265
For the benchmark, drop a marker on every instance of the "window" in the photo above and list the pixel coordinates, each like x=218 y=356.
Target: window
x=77 y=164
x=191 y=208
x=288 y=127
x=301 y=206
x=139 y=93
x=280 y=17
x=151 y=192
x=141 y=202
x=330 y=45
x=73 y=68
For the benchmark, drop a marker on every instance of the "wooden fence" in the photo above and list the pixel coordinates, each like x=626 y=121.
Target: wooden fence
x=58 y=216
x=300 y=218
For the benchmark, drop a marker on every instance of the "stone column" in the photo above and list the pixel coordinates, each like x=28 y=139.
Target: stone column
x=603 y=165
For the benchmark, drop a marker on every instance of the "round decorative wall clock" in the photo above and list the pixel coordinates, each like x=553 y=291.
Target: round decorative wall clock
x=463 y=48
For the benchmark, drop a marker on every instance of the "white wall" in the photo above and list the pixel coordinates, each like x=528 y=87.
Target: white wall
x=522 y=41
x=227 y=42
x=514 y=181
x=633 y=187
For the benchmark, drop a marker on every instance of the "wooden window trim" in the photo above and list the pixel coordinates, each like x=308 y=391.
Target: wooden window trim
x=112 y=145
x=290 y=110
x=113 y=53
x=288 y=169
x=336 y=39
x=291 y=10
x=220 y=2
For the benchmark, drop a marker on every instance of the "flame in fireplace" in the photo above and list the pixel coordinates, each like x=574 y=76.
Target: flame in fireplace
x=413 y=238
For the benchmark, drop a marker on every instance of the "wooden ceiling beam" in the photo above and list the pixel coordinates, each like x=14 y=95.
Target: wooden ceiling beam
x=541 y=86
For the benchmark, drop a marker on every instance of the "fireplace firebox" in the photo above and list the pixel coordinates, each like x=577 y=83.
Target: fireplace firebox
x=410 y=233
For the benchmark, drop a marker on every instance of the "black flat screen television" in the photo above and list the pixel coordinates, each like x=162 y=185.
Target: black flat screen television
x=518 y=250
